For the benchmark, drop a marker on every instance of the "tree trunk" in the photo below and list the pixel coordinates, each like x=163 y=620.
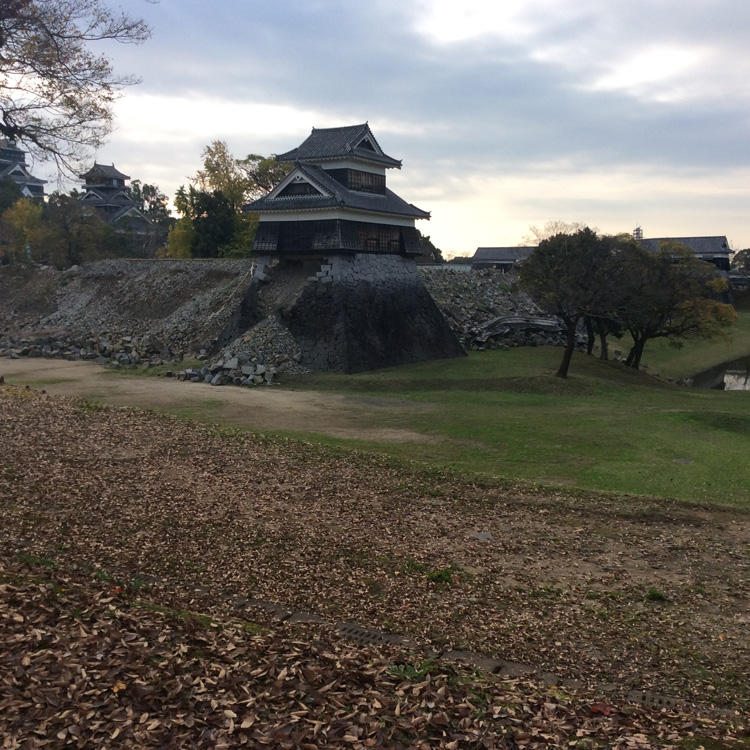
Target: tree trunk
x=570 y=342
x=635 y=354
x=603 y=347
x=590 y=338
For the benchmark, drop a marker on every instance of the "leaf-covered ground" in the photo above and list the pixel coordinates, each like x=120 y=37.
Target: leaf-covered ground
x=118 y=523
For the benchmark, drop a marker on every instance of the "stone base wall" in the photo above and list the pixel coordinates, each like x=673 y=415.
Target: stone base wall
x=362 y=312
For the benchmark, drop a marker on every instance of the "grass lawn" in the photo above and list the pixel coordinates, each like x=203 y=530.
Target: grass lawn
x=695 y=355
x=503 y=414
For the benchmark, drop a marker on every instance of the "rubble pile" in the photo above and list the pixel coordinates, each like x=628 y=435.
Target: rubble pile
x=152 y=314
x=487 y=311
x=115 y=351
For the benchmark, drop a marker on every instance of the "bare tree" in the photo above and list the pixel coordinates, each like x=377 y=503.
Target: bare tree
x=55 y=93
x=536 y=234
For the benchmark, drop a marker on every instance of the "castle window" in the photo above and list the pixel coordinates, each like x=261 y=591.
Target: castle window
x=366 y=182
x=298 y=188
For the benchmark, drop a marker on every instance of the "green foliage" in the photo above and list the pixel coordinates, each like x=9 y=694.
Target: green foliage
x=153 y=205
x=221 y=174
x=567 y=276
x=262 y=173
x=243 y=234
x=20 y=224
x=428 y=253
x=213 y=204
x=213 y=223
x=414 y=672
x=61 y=232
x=741 y=262
x=615 y=284
x=654 y=595
x=72 y=234
x=180 y=238
x=442 y=575
x=9 y=193
x=151 y=201
x=669 y=294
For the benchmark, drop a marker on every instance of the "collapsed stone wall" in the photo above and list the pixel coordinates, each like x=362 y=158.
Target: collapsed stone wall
x=486 y=310
x=343 y=313
x=178 y=305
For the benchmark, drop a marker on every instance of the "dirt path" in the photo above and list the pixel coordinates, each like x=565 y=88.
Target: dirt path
x=264 y=409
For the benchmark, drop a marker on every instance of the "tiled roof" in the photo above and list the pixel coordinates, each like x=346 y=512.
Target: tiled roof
x=127 y=209
x=337 y=196
x=105 y=197
x=28 y=179
x=699 y=245
x=106 y=171
x=339 y=143
x=12 y=152
x=501 y=254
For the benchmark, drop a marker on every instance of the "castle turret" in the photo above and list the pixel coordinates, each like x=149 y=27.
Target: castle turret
x=335 y=199
x=13 y=166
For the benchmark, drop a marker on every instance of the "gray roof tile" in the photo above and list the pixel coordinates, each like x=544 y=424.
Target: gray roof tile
x=339 y=143
x=337 y=196
x=106 y=171
x=717 y=245
x=501 y=254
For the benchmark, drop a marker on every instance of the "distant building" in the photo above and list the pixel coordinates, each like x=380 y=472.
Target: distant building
x=106 y=193
x=13 y=166
x=504 y=258
x=710 y=249
x=335 y=200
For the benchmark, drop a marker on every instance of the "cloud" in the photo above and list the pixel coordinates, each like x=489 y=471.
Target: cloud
x=504 y=110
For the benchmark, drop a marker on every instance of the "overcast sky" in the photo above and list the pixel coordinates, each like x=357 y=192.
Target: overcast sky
x=614 y=113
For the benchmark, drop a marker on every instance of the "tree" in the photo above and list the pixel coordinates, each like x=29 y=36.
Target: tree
x=20 y=222
x=566 y=276
x=262 y=173
x=221 y=173
x=55 y=93
x=536 y=234
x=9 y=193
x=428 y=253
x=669 y=294
x=213 y=204
x=180 y=239
x=151 y=201
x=70 y=234
x=153 y=204
x=741 y=262
x=213 y=223
x=600 y=324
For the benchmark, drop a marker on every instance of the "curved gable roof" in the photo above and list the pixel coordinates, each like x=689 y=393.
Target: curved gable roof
x=106 y=171
x=340 y=143
x=336 y=195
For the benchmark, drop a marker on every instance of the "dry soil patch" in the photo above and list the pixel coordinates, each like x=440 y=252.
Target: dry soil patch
x=263 y=409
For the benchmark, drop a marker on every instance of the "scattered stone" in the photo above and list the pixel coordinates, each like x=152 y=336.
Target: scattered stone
x=482 y=536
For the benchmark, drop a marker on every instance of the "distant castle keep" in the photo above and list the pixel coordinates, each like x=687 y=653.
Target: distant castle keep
x=338 y=247
x=13 y=167
x=106 y=193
